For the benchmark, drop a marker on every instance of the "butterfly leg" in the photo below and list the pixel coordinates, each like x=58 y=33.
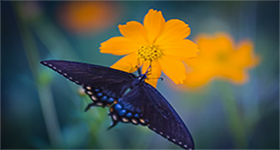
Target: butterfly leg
x=89 y=106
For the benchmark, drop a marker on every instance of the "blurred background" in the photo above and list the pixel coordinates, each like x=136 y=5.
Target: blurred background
x=41 y=109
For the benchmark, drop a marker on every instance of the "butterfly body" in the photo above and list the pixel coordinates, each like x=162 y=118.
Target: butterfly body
x=130 y=98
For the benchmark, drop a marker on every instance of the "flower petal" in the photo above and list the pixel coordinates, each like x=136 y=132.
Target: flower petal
x=245 y=56
x=154 y=74
x=118 y=46
x=199 y=75
x=173 y=68
x=127 y=63
x=181 y=49
x=174 y=30
x=154 y=24
x=135 y=32
x=235 y=75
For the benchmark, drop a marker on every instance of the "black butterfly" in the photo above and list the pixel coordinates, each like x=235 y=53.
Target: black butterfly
x=130 y=98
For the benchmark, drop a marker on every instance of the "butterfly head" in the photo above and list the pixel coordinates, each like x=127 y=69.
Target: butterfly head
x=141 y=77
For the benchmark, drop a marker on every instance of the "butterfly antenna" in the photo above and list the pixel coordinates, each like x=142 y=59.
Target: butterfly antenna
x=149 y=68
x=161 y=78
x=138 y=67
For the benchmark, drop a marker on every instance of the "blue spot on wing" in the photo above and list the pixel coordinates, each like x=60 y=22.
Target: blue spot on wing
x=129 y=114
x=130 y=107
x=118 y=107
x=122 y=112
x=110 y=100
x=99 y=94
x=104 y=98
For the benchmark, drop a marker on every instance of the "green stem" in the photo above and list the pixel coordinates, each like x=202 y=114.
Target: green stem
x=49 y=112
x=235 y=121
x=45 y=96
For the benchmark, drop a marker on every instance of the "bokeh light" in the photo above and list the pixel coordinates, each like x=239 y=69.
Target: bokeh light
x=88 y=16
x=220 y=57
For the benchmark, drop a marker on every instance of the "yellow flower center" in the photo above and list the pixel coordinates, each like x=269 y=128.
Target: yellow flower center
x=150 y=52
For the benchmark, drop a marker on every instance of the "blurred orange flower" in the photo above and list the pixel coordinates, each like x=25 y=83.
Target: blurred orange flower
x=87 y=16
x=219 y=57
x=157 y=43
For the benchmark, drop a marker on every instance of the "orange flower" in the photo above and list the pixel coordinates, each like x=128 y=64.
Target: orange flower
x=157 y=43
x=87 y=16
x=219 y=58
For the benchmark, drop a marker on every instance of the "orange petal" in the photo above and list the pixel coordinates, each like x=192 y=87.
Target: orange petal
x=135 y=32
x=154 y=24
x=181 y=49
x=174 y=30
x=245 y=56
x=240 y=77
x=127 y=63
x=200 y=75
x=118 y=46
x=236 y=75
x=154 y=74
x=173 y=68
x=211 y=45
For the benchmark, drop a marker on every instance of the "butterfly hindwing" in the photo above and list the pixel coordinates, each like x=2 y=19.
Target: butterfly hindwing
x=152 y=109
x=127 y=111
x=102 y=84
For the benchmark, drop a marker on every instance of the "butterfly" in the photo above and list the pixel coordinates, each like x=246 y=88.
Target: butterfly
x=129 y=98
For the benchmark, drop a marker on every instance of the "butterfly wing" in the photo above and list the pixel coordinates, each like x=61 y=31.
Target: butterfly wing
x=145 y=105
x=103 y=85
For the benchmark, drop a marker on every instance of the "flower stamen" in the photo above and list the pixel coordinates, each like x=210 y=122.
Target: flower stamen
x=150 y=52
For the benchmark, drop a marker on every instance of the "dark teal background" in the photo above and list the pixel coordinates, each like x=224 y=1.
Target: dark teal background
x=24 y=94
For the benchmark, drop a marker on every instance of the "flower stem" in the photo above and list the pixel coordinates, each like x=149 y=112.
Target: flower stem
x=235 y=121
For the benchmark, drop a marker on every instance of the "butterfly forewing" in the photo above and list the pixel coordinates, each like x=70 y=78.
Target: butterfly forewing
x=103 y=85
